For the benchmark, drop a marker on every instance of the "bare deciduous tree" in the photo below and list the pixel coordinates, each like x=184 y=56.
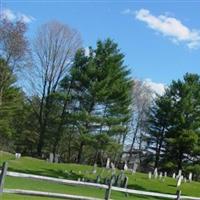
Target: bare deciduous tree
x=13 y=43
x=54 y=48
x=142 y=98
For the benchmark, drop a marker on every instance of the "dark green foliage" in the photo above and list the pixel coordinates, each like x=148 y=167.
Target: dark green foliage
x=100 y=97
x=175 y=122
x=10 y=103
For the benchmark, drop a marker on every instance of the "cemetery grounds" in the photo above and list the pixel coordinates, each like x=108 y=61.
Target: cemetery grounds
x=138 y=181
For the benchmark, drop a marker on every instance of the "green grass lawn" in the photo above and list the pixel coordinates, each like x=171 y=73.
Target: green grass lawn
x=138 y=181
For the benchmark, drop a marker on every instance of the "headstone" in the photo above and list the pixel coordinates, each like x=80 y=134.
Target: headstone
x=160 y=175
x=174 y=176
x=179 y=173
x=51 y=157
x=165 y=174
x=106 y=180
x=120 y=178
x=56 y=158
x=112 y=165
x=79 y=179
x=17 y=155
x=108 y=163
x=185 y=180
x=190 y=177
x=125 y=183
x=150 y=175
x=179 y=182
x=125 y=166
x=155 y=173
x=134 y=168
x=98 y=179
x=94 y=171
x=113 y=168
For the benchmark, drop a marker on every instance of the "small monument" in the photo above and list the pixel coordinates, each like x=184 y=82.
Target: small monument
x=155 y=173
x=125 y=167
x=179 y=182
x=51 y=157
x=160 y=175
x=134 y=168
x=108 y=163
x=190 y=177
x=179 y=173
x=94 y=171
x=113 y=168
x=150 y=175
x=174 y=176
x=17 y=155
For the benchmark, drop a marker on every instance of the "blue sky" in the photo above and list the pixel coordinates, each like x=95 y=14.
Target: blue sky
x=161 y=41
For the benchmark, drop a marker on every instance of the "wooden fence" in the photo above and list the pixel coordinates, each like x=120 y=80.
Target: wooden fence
x=108 y=188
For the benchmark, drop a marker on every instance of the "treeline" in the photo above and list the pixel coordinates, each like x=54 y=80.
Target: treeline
x=76 y=103
x=174 y=126
x=84 y=105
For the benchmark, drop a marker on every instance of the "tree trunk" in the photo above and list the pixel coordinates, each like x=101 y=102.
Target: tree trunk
x=80 y=153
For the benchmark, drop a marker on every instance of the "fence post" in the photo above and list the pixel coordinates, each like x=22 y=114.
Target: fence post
x=178 y=193
x=108 y=191
x=2 y=176
x=126 y=184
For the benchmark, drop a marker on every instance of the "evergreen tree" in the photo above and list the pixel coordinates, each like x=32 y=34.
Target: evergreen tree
x=10 y=103
x=101 y=95
x=175 y=122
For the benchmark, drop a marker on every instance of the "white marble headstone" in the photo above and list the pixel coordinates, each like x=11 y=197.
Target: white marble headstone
x=190 y=177
x=51 y=157
x=155 y=173
x=17 y=155
x=108 y=163
x=125 y=167
x=150 y=175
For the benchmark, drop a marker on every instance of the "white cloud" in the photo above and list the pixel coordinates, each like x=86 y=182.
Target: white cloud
x=170 y=27
x=12 y=16
x=158 y=88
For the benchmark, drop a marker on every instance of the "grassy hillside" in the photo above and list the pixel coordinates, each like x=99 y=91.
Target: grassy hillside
x=138 y=181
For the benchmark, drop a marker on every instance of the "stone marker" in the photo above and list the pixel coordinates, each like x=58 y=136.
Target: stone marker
x=160 y=175
x=165 y=174
x=17 y=155
x=113 y=168
x=134 y=168
x=125 y=166
x=179 y=173
x=155 y=173
x=56 y=159
x=190 y=177
x=179 y=182
x=174 y=176
x=94 y=171
x=98 y=179
x=150 y=175
x=51 y=157
x=108 y=163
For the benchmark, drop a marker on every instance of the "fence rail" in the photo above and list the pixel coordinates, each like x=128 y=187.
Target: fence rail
x=108 y=188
